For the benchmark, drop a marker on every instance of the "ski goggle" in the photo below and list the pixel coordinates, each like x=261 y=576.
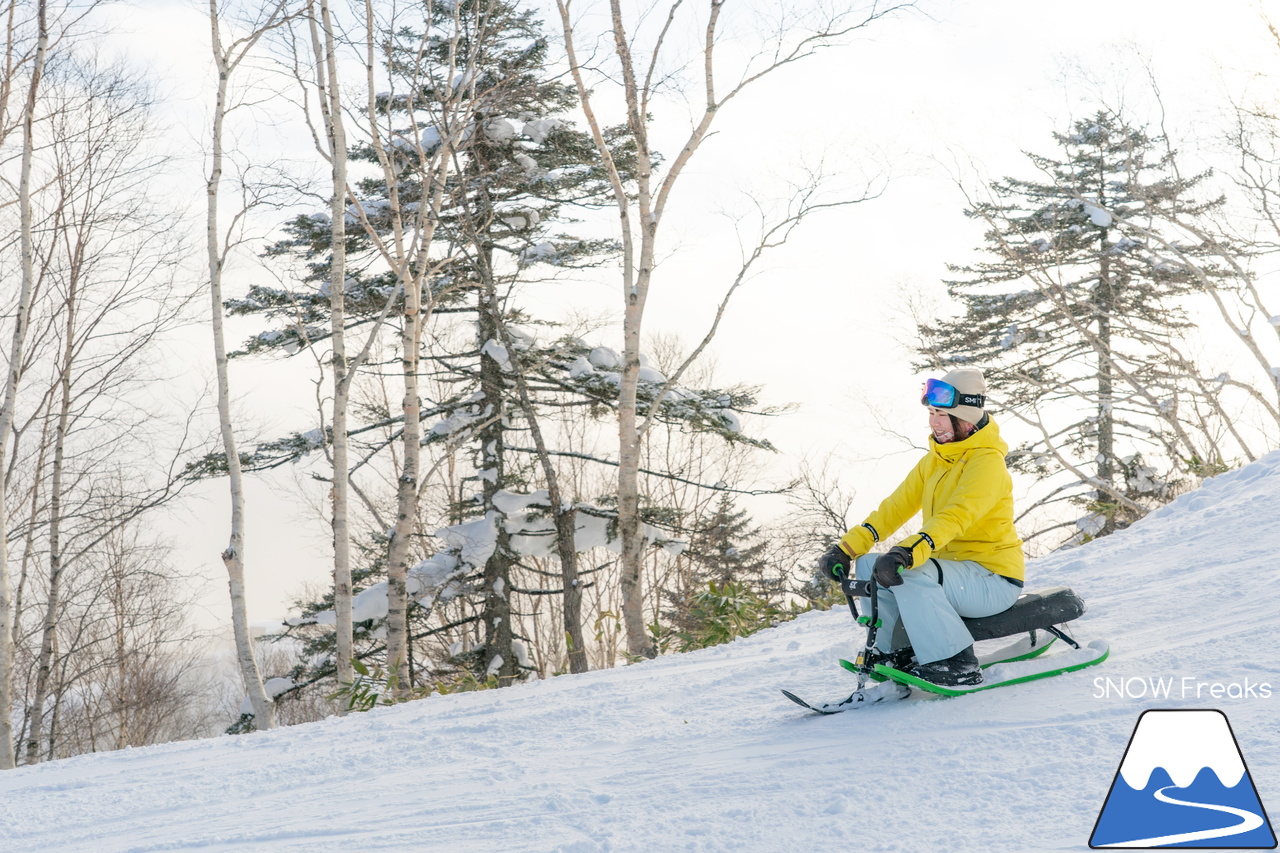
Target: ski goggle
x=940 y=395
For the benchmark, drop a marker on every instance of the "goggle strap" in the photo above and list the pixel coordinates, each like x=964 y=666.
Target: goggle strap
x=936 y=393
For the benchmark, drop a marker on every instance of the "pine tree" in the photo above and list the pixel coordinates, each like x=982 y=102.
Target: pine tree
x=522 y=170
x=728 y=591
x=727 y=547
x=1078 y=316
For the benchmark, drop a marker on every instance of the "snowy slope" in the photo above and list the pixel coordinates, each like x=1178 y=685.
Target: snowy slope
x=700 y=752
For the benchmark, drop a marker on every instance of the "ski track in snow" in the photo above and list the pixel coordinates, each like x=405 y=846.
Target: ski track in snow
x=700 y=752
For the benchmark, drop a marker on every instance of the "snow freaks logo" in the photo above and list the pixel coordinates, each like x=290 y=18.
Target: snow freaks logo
x=1183 y=783
x=1177 y=688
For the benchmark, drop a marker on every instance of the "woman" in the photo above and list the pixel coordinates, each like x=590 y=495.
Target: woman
x=966 y=558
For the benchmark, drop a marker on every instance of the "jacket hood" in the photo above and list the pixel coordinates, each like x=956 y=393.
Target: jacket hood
x=986 y=438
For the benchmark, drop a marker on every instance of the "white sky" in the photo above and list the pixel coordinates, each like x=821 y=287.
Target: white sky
x=928 y=99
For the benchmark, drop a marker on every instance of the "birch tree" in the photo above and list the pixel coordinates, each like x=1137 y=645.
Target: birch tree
x=324 y=42
x=412 y=134
x=13 y=376
x=411 y=120
x=228 y=58
x=314 y=52
x=108 y=267
x=644 y=56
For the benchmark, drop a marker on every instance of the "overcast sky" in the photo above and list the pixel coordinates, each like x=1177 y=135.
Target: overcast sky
x=923 y=100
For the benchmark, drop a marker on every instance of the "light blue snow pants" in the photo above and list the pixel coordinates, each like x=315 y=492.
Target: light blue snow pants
x=925 y=614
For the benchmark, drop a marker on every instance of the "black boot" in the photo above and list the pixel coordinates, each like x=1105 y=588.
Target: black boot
x=960 y=669
x=902 y=659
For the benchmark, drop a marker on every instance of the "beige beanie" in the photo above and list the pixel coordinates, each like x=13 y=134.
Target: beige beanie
x=967 y=380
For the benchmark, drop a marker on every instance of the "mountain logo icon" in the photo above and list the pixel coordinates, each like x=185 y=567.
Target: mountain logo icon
x=1183 y=783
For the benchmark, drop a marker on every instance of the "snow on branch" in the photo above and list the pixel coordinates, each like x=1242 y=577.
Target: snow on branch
x=527 y=520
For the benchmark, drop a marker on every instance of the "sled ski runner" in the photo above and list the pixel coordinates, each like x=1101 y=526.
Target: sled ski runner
x=1006 y=674
x=1032 y=613
x=885 y=691
x=874 y=695
x=1022 y=650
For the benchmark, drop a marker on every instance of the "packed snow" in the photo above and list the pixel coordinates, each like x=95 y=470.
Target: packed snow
x=700 y=752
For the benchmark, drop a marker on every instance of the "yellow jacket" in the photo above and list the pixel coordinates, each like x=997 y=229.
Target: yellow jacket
x=965 y=494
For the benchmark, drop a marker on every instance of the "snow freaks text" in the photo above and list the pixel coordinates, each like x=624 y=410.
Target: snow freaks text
x=1172 y=687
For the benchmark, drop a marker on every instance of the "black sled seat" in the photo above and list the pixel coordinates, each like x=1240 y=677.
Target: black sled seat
x=1033 y=611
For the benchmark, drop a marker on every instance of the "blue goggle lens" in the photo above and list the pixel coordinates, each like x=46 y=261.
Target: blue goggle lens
x=938 y=394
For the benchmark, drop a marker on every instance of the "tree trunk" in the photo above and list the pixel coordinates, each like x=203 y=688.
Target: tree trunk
x=575 y=639
x=407 y=254
x=29 y=541
x=342 y=371
x=407 y=491
x=54 y=731
x=118 y=696
x=564 y=515
x=44 y=666
x=630 y=436
x=1105 y=302
x=13 y=376
x=635 y=293
x=499 y=632
x=632 y=580
x=233 y=557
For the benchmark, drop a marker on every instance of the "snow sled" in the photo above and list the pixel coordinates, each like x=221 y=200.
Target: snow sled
x=1032 y=612
x=1044 y=610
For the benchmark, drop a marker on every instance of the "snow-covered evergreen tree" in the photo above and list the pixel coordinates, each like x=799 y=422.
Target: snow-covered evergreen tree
x=507 y=214
x=1078 y=316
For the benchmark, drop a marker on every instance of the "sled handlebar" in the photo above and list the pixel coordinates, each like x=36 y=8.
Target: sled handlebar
x=854 y=588
x=858 y=588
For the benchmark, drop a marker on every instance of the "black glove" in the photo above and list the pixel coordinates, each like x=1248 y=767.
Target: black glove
x=889 y=564
x=836 y=558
